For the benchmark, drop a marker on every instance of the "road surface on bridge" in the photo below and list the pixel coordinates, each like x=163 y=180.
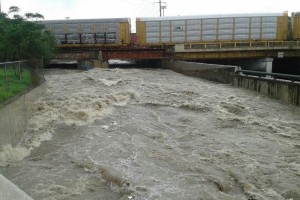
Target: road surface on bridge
x=155 y=134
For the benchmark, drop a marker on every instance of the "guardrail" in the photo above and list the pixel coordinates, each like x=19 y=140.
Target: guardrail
x=19 y=76
x=275 y=76
x=243 y=45
x=275 y=85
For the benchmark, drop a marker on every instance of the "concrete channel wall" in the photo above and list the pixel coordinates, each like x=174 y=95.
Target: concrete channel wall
x=212 y=72
x=9 y=191
x=285 y=91
x=14 y=116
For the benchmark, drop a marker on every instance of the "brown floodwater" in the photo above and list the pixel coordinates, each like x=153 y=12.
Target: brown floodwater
x=155 y=134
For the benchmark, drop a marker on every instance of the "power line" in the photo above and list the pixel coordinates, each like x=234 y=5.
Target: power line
x=162 y=7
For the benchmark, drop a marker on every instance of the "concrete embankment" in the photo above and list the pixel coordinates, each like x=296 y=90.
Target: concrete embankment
x=14 y=116
x=9 y=191
x=285 y=91
x=212 y=72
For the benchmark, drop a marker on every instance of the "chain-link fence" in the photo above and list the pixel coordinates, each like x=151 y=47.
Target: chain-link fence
x=18 y=77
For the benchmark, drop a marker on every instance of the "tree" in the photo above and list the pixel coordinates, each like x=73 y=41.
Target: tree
x=23 y=39
x=29 y=15
x=3 y=16
x=36 y=16
x=14 y=9
x=3 y=28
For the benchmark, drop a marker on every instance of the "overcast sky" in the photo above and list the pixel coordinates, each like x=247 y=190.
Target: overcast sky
x=80 y=9
x=58 y=9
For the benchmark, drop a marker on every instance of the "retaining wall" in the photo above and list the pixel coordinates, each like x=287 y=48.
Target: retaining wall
x=212 y=72
x=285 y=91
x=14 y=115
x=9 y=191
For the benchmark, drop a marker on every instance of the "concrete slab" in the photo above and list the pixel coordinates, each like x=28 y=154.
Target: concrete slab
x=14 y=116
x=9 y=191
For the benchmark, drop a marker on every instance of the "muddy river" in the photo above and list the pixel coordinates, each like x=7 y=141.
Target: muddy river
x=154 y=134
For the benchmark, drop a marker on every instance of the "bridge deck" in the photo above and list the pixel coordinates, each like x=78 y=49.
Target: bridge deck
x=230 y=50
x=191 y=51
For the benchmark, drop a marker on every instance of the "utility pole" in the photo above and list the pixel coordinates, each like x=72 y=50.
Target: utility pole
x=161 y=7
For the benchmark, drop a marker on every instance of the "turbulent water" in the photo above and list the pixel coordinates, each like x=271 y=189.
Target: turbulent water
x=155 y=134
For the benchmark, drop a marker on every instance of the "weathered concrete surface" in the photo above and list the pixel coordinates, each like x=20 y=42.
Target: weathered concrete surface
x=212 y=72
x=9 y=191
x=77 y=55
x=14 y=116
x=89 y=64
x=285 y=91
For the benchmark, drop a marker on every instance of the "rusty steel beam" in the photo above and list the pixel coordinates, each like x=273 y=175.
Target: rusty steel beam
x=76 y=55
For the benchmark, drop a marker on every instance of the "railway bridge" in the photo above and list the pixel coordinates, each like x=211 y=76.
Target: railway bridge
x=247 y=53
x=246 y=40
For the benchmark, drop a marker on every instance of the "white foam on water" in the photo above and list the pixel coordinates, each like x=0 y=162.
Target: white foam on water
x=166 y=135
x=107 y=82
x=56 y=191
x=10 y=154
x=116 y=180
x=67 y=102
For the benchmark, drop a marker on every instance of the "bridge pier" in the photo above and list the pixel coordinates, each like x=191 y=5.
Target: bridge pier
x=101 y=62
x=84 y=64
x=87 y=64
x=269 y=65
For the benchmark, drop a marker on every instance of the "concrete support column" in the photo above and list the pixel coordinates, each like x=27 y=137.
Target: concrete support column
x=100 y=56
x=269 y=64
x=90 y=64
x=84 y=64
x=101 y=62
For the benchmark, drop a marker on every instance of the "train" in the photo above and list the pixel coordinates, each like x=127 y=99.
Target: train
x=177 y=30
x=90 y=31
x=295 y=24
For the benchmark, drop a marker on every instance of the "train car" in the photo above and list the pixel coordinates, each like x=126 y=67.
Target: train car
x=244 y=27
x=90 y=31
x=296 y=26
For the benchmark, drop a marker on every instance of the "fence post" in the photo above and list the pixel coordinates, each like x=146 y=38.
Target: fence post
x=19 y=73
x=6 y=81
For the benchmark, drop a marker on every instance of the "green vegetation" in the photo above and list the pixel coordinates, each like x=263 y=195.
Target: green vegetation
x=12 y=82
x=21 y=38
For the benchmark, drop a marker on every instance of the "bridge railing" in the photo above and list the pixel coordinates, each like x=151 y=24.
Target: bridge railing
x=19 y=76
x=247 y=45
x=289 y=77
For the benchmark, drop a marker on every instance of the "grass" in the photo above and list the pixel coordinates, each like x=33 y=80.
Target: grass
x=12 y=82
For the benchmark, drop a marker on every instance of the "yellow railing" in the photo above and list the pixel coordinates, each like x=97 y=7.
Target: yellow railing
x=239 y=45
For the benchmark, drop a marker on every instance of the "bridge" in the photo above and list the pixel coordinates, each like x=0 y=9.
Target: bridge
x=211 y=38
x=96 y=55
x=188 y=51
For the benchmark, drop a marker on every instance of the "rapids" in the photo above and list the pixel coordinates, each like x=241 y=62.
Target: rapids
x=155 y=134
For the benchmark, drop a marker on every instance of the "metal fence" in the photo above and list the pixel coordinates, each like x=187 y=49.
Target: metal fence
x=18 y=77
